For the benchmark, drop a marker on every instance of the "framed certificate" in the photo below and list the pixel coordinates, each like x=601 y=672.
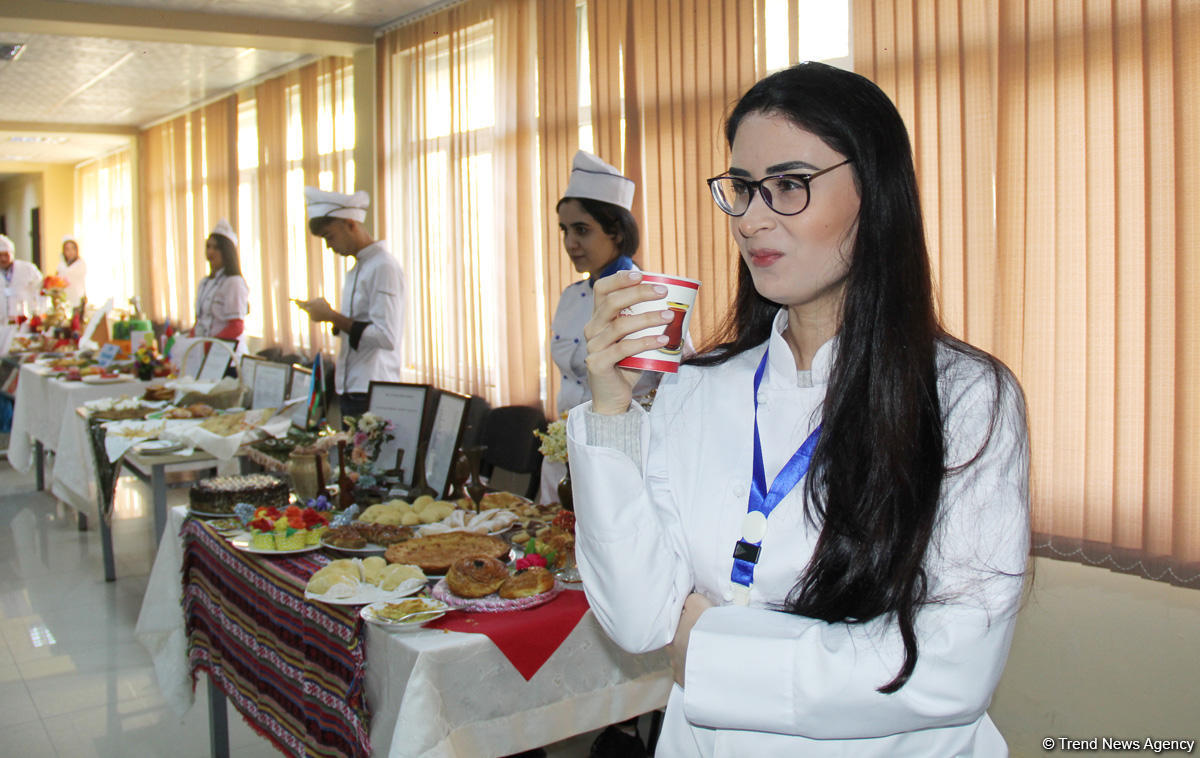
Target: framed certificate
x=217 y=358
x=246 y=370
x=301 y=388
x=444 y=439
x=271 y=384
x=408 y=407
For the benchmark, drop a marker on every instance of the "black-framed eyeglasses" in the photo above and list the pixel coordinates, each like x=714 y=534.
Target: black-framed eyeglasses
x=786 y=194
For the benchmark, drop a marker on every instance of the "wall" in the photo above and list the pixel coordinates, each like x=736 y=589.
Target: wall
x=50 y=187
x=18 y=196
x=1098 y=654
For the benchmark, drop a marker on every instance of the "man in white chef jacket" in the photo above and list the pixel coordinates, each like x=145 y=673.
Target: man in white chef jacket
x=370 y=320
x=73 y=270
x=21 y=280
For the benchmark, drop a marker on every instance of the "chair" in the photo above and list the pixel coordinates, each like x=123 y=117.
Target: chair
x=511 y=460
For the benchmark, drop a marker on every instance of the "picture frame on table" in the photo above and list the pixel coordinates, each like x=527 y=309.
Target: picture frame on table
x=272 y=383
x=246 y=368
x=409 y=407
x=445 y=437
x=300 y=387
x=218 y=357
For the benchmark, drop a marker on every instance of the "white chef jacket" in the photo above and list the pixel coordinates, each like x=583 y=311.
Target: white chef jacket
x=219 y=300
x=75 y=275
x=24 y=287
x=372 y=293
x=765 y=683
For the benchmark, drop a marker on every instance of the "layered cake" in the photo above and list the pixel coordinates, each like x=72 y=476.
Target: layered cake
x=219 y=494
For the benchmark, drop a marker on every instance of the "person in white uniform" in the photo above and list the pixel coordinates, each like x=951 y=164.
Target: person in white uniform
x=73 y=270
x=370 y=322
x=21 y=280
x=223 y=297
x=825 y=516
x=600 y=236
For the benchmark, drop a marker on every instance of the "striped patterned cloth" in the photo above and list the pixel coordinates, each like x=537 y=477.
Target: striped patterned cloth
x=294 y=669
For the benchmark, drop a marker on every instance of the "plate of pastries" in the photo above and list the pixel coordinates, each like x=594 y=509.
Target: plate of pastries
x=483 y=583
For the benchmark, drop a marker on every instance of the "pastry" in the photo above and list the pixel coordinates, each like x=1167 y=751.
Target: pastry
x=526 y=582
x=396 y=574
x=476 y=576
x=437 y=552
x=219 y=494
x=346 y=537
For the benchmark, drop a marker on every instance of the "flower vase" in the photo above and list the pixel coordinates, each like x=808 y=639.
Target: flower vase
x=145 y=371
x=564 y=491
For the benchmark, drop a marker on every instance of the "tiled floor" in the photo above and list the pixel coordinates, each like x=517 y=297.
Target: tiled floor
x=74 y=683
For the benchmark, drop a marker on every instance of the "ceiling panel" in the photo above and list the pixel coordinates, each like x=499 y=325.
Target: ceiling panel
x=62 y=78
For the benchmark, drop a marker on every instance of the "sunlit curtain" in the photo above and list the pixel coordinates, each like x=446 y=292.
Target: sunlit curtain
x=321 y=133
x=1058 y=146
x=558 y=140
x=104 y=225
x=683 y=63
x=453 y=166
x=188 y=183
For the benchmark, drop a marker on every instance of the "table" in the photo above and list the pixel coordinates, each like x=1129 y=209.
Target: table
x=44 y=419
x=435 y=693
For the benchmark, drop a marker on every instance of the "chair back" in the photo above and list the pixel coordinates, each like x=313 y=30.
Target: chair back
x=511 y=446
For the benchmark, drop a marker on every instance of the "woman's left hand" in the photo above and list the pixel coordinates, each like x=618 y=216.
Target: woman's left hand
x=695 y=605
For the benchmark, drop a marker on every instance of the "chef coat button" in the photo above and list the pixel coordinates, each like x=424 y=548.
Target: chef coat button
x=576 y=340
x=762 y=397
x=739 y=490
x=728 y=596
x=556 y=336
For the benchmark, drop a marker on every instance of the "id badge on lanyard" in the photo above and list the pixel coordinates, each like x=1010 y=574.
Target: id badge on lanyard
x=762 y=501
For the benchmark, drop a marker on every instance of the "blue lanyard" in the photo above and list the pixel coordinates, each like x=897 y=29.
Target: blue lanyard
x=746 y=552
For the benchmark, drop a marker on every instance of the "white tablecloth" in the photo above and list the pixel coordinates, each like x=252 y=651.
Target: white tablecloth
x=435 y=693
x=44 y=411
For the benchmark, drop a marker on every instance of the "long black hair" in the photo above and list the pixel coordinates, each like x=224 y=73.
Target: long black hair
x=876 y=473
x=616 y=222
x=229 y=255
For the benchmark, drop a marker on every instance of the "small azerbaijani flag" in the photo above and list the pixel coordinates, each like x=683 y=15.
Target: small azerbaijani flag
x=316 y=393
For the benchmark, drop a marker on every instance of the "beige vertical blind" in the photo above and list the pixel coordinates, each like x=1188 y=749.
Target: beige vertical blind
x=1057 y=147
x=189 y=183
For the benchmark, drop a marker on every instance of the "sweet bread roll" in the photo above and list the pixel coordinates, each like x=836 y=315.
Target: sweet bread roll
x=372 y=568
x=398 y=573
x=334 y=581
x=476 y=576
x=527 y=582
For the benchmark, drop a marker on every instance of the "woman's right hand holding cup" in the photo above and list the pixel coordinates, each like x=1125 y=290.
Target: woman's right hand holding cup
x=611 y=385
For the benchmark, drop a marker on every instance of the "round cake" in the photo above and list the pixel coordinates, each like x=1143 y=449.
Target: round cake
x=438 y=552
x=219 y=494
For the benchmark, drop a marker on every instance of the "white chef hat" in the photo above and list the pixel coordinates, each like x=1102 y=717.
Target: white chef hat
x=6 y=245
x=69 y=238
x=322 y=204
x=594 y=179
x=224 y=229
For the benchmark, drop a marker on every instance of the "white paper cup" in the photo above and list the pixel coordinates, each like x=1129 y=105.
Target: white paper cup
x=681 y=295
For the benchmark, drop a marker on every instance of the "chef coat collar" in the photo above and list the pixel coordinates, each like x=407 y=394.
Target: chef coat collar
x=621 y=263
x=369 y=252
x=781 y=366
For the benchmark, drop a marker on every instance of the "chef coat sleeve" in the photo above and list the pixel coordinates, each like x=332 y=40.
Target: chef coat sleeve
x=628 y=542
x=763 y=670
x=385 y=311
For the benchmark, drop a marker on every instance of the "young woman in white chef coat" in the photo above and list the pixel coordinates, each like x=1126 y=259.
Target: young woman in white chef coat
x=223 y=297
x=600 y=237
x=825 y=517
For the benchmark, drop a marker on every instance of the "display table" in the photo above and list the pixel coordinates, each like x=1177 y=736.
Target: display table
x=429 y=692
x=44 y=419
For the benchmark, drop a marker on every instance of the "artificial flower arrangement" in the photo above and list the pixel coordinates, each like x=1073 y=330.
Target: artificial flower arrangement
x=147 y=360
x=54 y=287
x=366 y=435
x=554 y=440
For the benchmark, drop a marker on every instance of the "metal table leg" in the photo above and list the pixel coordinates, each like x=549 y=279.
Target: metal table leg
x=39 y=462
x=106 y=550
x=81 y=521
x=158 y=478
x=218 y=721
